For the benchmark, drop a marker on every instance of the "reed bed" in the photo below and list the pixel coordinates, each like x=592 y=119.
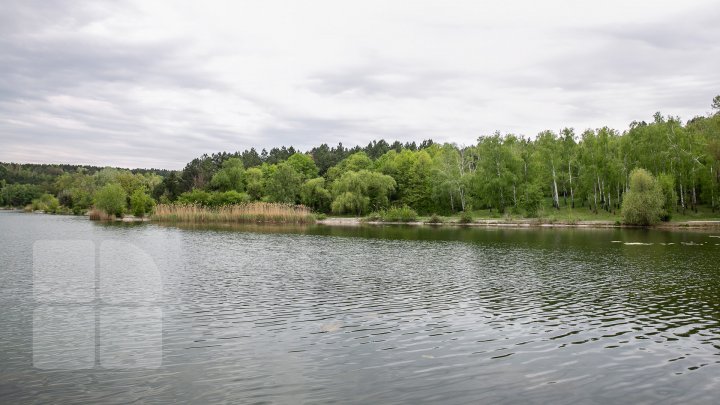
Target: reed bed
x=100 y=215
x=256 y=212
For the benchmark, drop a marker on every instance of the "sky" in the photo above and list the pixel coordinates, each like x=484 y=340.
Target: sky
x=158 y=83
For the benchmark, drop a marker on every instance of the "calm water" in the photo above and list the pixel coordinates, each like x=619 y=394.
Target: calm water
x=367 y=315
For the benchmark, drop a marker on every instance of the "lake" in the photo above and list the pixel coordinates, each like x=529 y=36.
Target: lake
x=267 y=314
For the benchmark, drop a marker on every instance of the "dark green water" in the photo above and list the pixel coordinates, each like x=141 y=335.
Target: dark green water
x=363 y=315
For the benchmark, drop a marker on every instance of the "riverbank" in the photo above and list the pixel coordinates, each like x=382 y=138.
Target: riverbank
x=455 y=222
x=520 y=223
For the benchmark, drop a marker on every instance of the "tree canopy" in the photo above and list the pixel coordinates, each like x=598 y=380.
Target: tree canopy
x=588 y=170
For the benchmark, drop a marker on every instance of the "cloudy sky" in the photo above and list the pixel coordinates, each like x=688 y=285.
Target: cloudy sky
x=155 y=84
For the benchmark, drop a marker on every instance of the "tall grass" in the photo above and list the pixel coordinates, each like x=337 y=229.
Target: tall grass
x=100 y=215
x=240 y=213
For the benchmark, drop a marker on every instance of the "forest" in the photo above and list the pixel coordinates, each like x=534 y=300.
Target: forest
x=500 y=174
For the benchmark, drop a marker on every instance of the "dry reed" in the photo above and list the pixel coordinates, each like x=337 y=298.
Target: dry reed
x=100 y=215
x=241 y=213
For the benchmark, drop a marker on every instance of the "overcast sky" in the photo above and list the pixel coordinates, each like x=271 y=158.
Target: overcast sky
x=155 y=84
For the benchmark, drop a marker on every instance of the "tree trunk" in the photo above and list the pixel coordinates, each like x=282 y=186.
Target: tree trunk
x=595 y=197
x=572 y=194
x=682 y=198
x=501 y=207
x=556 y=199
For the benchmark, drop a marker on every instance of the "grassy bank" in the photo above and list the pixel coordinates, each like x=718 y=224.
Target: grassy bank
x=580 y=214
x=547 y=216
x=240 y=213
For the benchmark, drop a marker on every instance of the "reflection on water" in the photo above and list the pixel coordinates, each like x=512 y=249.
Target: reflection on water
x=392 y=314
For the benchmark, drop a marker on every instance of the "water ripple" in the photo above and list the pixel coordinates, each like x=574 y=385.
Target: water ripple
x=324 y=316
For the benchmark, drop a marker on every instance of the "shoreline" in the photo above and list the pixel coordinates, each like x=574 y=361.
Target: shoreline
x=488 y=223
x=523 y=223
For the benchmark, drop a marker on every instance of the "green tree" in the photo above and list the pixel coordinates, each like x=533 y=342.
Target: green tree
x=531 y=199
x=350 y=203
x=230 y=177
x=112 y=199
x=20 y=195
x=667 y=184
x=643 y=203
x=255 y=183
x=141 y=203
x=549 y=154
x=355 y=192
x=303 y=165
x=494 y=181
x=448 y=179
x=283 y=184
x=353 y=163
x=314 y=194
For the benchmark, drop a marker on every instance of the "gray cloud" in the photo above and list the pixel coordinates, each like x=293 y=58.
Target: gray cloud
x=156 y=84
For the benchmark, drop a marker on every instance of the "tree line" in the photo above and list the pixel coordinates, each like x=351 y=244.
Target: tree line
x=501 y=172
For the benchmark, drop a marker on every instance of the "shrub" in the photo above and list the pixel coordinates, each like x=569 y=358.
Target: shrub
x=141 y=203
x=374 y=216
x=435 y=219
x=531 y=200
x=231 y=197
x=643 y=203
x=400 y=214
x=196 y=196
x=112 y=199
x=47 y=203
x=466 y=217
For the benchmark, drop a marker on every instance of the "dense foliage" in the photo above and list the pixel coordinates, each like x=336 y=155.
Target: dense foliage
x=501 y=173
x=643 y=203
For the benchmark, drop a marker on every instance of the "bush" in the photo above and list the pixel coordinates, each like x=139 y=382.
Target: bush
x=435 y=219
x=643 y=204
x=531 y=200
x=374 y=216
x=400 y=214
x=466 y=217
x=111 y=199
x=196 y=196
x=231 y=197
x=141 y=203
x=47 y=203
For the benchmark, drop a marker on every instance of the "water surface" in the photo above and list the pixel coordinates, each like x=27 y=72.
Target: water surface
x=375 y=315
